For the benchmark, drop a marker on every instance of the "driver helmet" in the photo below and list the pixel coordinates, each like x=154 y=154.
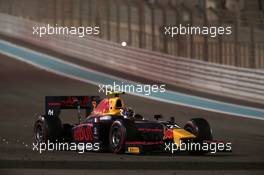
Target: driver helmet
x=127 y=112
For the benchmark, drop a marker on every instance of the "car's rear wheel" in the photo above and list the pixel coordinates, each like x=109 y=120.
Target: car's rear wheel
x=67 y=132
x=47 y=129
x=39 y=131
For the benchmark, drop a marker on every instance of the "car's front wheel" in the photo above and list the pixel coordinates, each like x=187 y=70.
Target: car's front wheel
x=117 y=137
x=202 y=130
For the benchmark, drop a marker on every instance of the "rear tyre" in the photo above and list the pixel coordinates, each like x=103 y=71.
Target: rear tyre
x=47 y=128
x=67 y=132
x=39 y=131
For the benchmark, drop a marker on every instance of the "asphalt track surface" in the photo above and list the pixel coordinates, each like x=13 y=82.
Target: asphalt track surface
x=23 y=88
x=83 y=74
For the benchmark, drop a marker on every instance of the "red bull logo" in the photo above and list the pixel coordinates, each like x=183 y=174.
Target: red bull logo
x=168 y=134
x=83 y=134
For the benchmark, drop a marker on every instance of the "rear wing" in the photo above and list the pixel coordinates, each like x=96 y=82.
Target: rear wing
x=54 y=104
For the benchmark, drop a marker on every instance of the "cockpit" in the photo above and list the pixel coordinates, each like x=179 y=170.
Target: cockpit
x=109 y=106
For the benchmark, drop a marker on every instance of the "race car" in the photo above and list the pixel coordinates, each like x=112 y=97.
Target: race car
x=115 y=127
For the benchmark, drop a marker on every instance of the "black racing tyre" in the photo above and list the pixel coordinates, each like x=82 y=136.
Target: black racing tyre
x=39 y=131
x=200 y=128
x=120 y=132
x=117 y=137
x=47 y=128
x=67 y=132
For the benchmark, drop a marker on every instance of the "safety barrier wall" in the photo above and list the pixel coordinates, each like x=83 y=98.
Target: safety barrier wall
x=241 y=83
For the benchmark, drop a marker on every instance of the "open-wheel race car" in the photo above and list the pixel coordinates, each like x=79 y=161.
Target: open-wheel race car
x=115 y=127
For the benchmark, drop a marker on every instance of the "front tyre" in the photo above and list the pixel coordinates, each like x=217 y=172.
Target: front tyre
x=200 y=128
x=117 y=137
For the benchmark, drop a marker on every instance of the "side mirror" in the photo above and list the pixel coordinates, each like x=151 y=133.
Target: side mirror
x=157 y=117
x=172 y=119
